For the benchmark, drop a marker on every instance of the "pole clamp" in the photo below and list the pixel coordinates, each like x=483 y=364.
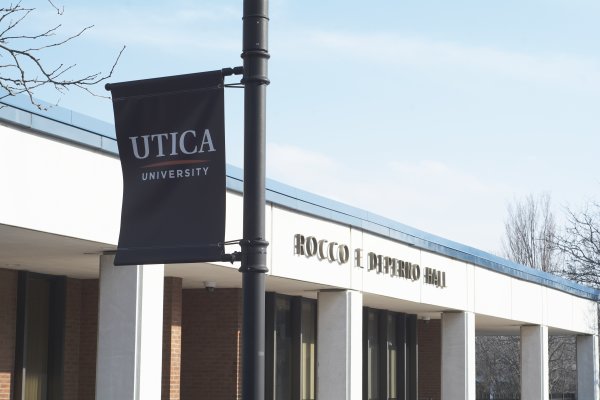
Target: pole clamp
x=254 y=255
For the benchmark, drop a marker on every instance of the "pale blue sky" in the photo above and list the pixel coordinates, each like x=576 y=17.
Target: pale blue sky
x=433 y=113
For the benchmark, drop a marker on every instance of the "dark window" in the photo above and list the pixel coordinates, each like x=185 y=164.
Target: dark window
x=308 y=352
x=290 y=345
x=283 y=349
x=40 y=337
x=392 y=357
x=389 y=355
x=372 y=356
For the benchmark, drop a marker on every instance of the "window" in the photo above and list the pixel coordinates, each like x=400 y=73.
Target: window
x=392 y=357
x=290 y=345
x=308 y=342
x=40 y=337
x=372 y=356
x=389 y=355
x=282 y=348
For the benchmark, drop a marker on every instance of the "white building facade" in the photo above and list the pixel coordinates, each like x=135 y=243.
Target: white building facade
x=358 y=306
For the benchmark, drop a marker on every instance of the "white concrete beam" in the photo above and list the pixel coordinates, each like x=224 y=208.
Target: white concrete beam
x=130 y=311
x=534 y=363
x=339 y=365
x=587 y=367
x=458 y=356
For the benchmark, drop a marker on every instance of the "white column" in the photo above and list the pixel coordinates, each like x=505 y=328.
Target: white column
x=534 y=363
x=130 y=311
x=458 y=356
x=339 y=359
x=587 y=367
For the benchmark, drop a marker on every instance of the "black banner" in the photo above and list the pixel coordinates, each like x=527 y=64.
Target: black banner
x=171 y=138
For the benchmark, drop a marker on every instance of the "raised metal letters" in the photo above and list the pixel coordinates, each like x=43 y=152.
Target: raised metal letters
x=435 y=277
x=309 y=246
x=393 y=267
x=323 y=249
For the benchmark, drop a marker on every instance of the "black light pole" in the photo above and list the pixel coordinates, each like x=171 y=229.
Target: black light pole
x=254 y=246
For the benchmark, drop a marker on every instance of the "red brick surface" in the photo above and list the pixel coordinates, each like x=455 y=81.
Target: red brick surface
x=8 y=326
x=88 y=334
x=72 y=339
x=430 y=359
x=171 y=370
x=211 y=344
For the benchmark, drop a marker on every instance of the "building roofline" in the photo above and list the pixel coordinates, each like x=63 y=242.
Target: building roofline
x=64 y=124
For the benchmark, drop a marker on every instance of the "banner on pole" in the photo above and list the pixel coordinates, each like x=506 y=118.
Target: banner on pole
x=171 y=139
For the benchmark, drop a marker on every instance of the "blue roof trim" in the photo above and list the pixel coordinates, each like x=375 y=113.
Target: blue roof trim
x=60 y=115
x=99 y=135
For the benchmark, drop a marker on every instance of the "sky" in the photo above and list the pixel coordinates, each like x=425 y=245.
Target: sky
x=433 y=113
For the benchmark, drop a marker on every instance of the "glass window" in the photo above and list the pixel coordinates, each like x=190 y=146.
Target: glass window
x=372 y=355
x=291 y=347
x=307 y=351
x=283 y=349
x=392 y=357
x=36 y=339
x=40 y=337
x=389 y=355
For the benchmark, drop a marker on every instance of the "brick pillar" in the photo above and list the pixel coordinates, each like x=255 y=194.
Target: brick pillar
x=211 y=344
x=73 y=306
x=88 y=333
x=171 y=369
x=430 y=359
x=8 y=326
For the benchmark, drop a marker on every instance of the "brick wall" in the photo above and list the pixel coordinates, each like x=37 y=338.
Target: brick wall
x=88 y=338
x=430 y=359
x=72 y=339
x=8 y=326
x=211 y=344
x=81 y=332
x=171 y=369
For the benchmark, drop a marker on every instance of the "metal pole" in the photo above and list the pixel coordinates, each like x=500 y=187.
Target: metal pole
x=254 y=246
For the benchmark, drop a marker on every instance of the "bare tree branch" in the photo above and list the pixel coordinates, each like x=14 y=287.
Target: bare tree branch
x=580 y=243
x=12 y=24
x=59 y=11
x=530 y=234
x=26 y=71
x=530 y=239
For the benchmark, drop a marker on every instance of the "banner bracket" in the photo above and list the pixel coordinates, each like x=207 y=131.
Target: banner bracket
x=230 y=242
x=236 y=256
x=232 y=71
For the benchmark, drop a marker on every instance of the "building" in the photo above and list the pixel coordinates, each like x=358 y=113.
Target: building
x=358 y=306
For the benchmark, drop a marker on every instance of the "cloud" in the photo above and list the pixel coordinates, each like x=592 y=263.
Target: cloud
x=166 y=27
x=395 y=49
x=426 y=194
x=304 y=169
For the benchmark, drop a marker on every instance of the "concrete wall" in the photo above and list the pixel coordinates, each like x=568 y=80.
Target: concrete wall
x=85 y=202
x=468 y=287
x=59 y=198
